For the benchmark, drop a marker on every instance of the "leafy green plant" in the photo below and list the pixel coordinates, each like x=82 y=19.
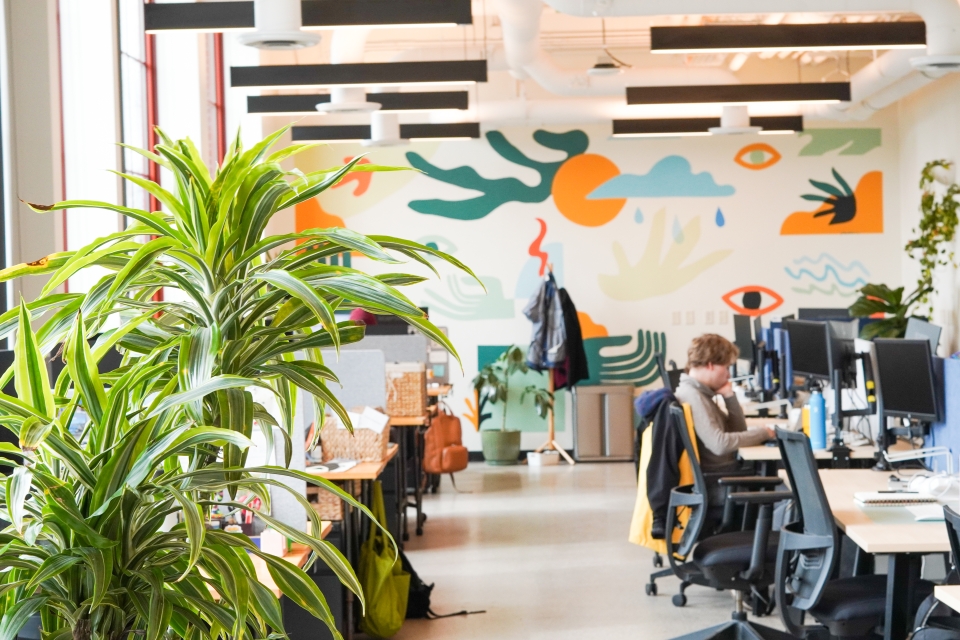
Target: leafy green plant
x=492 y=383
x=107 y=535
x=931 y=248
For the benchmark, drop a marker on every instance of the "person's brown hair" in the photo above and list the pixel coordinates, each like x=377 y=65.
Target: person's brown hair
x=711 y=349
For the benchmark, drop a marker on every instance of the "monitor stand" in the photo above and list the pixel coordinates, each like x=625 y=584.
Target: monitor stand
x=888 y=436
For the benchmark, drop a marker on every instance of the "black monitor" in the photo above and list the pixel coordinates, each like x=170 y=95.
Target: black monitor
x=742 y=337
x=918 y=329
x=841 y=313
x=758 y=328
x=906 y=379
x=810 y=348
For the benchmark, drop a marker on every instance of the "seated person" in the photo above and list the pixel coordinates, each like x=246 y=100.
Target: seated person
x=720 y=434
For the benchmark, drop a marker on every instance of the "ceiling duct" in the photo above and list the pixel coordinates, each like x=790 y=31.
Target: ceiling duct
x=278 y=26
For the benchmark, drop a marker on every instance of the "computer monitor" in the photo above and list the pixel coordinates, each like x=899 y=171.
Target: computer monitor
x=906 y=379
x=918 y=329
x=810 y=352
x=742 y=337
x=841 y=313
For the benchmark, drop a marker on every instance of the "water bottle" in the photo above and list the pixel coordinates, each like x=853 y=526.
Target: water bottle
x=818 y=420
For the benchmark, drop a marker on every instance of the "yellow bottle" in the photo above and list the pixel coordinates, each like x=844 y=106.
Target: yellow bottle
x=805 y=420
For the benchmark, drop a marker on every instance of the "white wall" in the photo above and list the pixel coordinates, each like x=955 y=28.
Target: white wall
x=929 y=129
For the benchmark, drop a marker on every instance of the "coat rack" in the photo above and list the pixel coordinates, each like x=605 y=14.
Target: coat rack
x=551 y=443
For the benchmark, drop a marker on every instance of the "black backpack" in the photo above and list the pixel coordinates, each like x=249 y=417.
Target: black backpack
x=418 y=602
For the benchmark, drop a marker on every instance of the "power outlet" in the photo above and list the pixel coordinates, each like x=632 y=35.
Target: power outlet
x=723 y=317
x=708 y=317
x=691 y=317
x=675 y=318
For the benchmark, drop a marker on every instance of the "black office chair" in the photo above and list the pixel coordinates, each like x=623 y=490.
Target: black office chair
x=739 y=561
x=807 y=558
x=669 y=377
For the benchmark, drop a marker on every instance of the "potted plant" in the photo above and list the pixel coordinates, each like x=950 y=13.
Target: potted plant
x=932 y=248
x=107 y=537
x=492 y=385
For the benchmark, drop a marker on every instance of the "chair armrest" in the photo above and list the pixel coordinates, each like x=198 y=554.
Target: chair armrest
x=760 y=497
x=684 y=497
x=750 y=481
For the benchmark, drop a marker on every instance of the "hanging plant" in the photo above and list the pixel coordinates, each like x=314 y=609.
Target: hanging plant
x=932 y=248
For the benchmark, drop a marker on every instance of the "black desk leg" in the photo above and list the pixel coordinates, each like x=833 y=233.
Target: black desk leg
x=402 y=486
x=903 y=571
x=420 y=477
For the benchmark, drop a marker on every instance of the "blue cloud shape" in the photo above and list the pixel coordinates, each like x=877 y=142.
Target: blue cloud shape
x=671 y=177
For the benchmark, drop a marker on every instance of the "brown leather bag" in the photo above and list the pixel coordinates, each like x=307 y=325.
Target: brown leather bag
x=443 y=450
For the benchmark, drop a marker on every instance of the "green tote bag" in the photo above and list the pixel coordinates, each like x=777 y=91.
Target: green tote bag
x=386 y=585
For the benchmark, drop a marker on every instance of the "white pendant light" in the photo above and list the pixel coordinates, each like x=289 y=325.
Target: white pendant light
x=735 y=120
x=384 y=131
x=278 y=26
x=348 y=100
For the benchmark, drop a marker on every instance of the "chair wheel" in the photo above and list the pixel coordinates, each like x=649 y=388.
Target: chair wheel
x=658 y=560
x=679 y=600
x=651 y=588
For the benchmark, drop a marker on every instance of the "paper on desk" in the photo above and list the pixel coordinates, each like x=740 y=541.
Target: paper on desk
x=926 y=512
x=367 y=418
x=337 y=465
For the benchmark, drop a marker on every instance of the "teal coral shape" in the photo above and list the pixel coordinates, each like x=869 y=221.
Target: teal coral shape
x=852 y=142
x=638 y=367
x=498 y=191
x=670 y=177
x=467 y=300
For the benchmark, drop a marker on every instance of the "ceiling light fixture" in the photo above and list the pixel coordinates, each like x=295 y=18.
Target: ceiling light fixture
x=673 y=127
x=789 y=37
x=607 y=64
x=741 y=93
x=360 y=74
x=358 y=133
x=734 y=121
x=278 y=27
x=228 y=16
x=347 y=100
x=391 y=101
x=385 y=131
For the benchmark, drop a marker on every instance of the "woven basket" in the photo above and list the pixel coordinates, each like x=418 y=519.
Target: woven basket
x=406 y=389
x=327 y=505
x=364 y=445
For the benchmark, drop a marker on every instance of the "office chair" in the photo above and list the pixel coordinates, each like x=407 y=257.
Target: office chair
x=669 y=377
x=807 y=557
x=739 y=561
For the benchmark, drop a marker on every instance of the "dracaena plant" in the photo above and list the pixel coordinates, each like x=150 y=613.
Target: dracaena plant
x=165 y=436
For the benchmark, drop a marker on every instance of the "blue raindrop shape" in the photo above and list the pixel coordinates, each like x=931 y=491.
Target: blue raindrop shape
x=677 y=231
x=435 y=246
x=638 y=216
x=720 y=219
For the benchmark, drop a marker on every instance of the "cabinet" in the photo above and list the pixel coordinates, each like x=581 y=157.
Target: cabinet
x=603 y=422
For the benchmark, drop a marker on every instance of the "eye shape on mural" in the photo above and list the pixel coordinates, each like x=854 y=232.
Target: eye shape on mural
x=752 y=300
x=757 y=156
x=439 y=243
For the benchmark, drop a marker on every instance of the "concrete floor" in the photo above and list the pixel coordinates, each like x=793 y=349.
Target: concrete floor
x=545 y=552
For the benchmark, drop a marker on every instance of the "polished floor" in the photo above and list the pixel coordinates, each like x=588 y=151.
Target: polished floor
x=545 y=553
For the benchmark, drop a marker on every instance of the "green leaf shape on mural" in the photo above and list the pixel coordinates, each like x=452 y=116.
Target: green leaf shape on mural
x=851 y=142
x=500 y=190
x=466 y=300
x=638 y=367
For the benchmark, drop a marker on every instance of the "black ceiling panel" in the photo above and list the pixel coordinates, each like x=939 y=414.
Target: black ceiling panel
x=665 y=126
x=388 y=73
x=739 y=93
x=390 y=101
x=407 y=131
x=217 y=16
x=876 y=35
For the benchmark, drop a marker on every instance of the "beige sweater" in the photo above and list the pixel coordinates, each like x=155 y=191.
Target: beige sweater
x=719 y=434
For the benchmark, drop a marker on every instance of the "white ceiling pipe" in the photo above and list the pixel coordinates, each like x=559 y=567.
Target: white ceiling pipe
x=347 y=45
x=520 y=23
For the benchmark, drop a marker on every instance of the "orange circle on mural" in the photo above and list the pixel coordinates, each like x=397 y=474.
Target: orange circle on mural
x=575 y=179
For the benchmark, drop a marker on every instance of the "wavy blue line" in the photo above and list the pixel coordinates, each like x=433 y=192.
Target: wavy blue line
x=829 y=292
x=859 y=282
x=829 y=258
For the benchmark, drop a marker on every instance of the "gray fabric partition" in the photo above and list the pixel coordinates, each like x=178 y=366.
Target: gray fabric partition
x=400 y=348
x=362 y=374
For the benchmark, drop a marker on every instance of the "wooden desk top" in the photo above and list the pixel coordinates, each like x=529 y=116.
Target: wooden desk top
x=409 y=421
x=297 y=555
x=439 y=390
x=861 y=452
x=948 y=595
x=363 y=470
x=878 y=529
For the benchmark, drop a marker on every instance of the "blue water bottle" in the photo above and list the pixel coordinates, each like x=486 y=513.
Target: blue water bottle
x=818 y=420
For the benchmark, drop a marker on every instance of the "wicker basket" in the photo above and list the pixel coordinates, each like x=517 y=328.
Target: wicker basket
x=327 y=505
x=364 y=445
x=406 y=389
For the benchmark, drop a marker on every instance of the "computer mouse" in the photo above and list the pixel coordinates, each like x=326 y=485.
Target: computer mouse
x=770 y=443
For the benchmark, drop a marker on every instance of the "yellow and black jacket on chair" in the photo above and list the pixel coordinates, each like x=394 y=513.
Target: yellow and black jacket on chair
x=640 y=526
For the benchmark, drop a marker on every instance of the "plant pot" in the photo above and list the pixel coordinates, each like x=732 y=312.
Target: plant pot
x=500 y=447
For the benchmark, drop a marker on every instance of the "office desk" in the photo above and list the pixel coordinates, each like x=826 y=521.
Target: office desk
x=297 y=555
x=884 y=530
x=948 y=595
x=418 y=424
x=439 y=391
x=860 y=452
x=362 y=471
